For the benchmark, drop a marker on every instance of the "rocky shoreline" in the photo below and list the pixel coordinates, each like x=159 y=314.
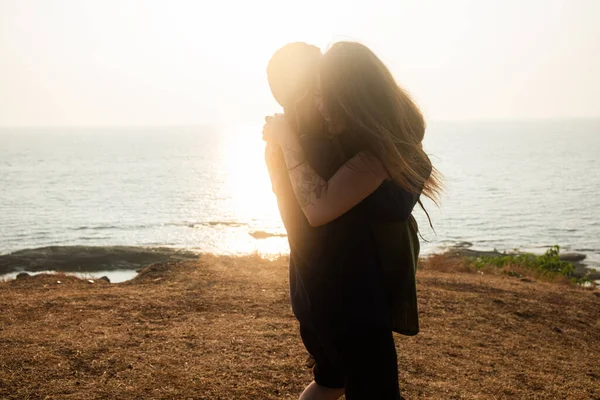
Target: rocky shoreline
x=577 y=259
x=111 y=258
x=89 y=258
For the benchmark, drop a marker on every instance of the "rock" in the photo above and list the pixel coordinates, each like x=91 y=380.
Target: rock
x=572 y=257
x=264 y=235
x=89 y=258
x=466 y=252
x=155 y=272
x=105 y=279
x=90 y=281
x=463 y=245
x=23 y=275
x=581 y=270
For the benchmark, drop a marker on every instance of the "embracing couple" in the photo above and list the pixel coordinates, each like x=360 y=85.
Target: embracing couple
x=347 y=166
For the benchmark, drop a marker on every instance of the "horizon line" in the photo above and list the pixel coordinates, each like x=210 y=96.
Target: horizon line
x=204 y=125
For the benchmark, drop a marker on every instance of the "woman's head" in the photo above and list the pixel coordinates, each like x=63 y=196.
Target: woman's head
x=358 y=92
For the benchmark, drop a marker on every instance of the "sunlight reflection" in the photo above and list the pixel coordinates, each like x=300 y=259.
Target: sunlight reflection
x=249 y=189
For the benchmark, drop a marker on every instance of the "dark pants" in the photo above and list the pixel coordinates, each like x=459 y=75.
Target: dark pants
x=363 y=362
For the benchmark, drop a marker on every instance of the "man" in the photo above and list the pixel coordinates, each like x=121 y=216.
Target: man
x=292 y=74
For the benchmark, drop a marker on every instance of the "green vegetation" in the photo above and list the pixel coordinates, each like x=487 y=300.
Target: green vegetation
x=547 y=265
x=548 y=262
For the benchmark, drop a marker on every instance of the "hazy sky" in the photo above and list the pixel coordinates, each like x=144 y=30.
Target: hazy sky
x=146 y=62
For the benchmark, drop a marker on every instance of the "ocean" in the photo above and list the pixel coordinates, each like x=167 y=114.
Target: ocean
x=509 y=185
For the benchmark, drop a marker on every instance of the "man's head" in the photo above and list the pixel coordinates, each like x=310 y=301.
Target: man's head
x=292 y=72
x=293 y=77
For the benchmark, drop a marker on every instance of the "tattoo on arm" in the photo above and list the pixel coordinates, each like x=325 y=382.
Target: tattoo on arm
x=304 y=179
x=306 y=182
x=295 y=155
x=319 y=189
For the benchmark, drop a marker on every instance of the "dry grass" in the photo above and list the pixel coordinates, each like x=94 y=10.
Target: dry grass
x=221 y=328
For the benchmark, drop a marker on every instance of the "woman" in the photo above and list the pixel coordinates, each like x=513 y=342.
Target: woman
x=380 y=129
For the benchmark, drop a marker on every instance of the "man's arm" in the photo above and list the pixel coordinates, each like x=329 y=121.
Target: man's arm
x=275 y=166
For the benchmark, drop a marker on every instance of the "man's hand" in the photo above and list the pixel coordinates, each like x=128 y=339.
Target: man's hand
x=267 y=132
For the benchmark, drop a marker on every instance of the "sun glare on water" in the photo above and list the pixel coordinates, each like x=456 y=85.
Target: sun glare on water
x=249 y=187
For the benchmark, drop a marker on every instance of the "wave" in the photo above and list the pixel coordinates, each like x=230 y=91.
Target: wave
x=158 y=225
x=233 y=224
x=587 y=250
x=225 y=223
x=30 y=236
x=569 y=230
x=94 y=228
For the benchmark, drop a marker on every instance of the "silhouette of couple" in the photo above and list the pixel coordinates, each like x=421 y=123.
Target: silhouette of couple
x=347 y=165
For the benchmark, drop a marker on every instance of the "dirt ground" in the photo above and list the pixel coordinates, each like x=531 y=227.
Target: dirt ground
x=222 y=328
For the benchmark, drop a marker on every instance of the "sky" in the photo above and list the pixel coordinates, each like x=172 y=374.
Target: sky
x=149 y=62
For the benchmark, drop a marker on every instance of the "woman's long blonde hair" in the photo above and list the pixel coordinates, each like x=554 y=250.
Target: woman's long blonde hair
x=360 y=91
